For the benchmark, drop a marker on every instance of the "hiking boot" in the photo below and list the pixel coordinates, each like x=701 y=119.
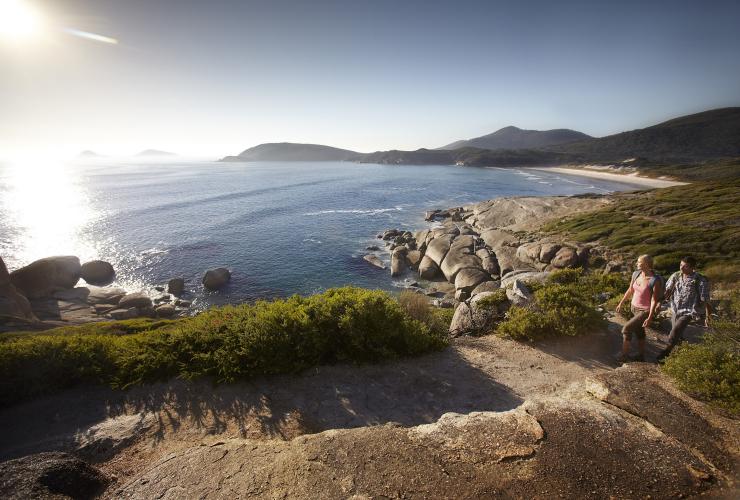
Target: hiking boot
x=661 y=357
x=621 y=358
x=639 y=358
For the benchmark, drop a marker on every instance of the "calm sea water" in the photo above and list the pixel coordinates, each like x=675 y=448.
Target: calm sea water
x=282 y=228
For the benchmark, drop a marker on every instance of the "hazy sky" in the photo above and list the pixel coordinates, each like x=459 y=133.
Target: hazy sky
x=215 y=77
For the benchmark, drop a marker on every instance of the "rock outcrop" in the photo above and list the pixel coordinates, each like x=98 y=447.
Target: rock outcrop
x=215 y=279
x=43 y=277
x=478 y=315
x=13 y=305
x=98 y=272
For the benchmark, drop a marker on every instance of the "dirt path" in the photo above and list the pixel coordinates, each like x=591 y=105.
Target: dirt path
x=124 y=433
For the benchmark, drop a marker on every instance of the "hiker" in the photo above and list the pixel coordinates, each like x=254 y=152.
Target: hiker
x=646 y=289
x=688 y=294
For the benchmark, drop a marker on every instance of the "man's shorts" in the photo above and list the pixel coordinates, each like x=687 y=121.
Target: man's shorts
x=634 y=325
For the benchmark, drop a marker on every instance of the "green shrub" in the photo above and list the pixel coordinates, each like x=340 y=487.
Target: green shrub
x=564 y=305
x=498 y=297
x=710 y=370
x=226 y=344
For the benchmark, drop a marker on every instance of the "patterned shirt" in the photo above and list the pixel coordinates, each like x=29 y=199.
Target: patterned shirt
x=688 y=293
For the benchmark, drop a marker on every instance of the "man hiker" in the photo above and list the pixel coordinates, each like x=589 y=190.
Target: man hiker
x=646 y=289
x=688 y=294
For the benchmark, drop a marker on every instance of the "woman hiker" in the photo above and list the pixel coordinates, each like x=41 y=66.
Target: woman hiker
x=646 y=289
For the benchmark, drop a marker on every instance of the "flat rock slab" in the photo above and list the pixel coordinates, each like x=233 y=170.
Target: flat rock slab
x=547 y=448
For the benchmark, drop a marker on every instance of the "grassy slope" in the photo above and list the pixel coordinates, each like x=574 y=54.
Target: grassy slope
x=702 y=219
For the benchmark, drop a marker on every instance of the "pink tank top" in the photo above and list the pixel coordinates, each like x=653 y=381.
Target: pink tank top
x=641 y=292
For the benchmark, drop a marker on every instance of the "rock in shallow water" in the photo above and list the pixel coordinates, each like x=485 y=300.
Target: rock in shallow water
x=176 y=286
x=215 y=279
x=97 y=272
x=374 y=260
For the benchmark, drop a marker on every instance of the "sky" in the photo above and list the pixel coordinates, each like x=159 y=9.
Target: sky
x=212 y=78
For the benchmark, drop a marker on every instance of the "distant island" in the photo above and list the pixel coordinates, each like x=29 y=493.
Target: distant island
x=89 y=154
x=290 y=151
x=155 y=152
x=710 y=135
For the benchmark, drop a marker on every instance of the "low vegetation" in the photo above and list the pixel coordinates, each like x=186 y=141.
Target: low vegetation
x=564 y=305
x=226 y=344
x=701 y=219
x=710 y=370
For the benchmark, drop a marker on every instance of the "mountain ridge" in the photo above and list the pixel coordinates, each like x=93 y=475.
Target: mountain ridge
x=512 y=137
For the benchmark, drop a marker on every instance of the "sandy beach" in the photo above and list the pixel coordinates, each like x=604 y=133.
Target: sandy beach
x=630 y=178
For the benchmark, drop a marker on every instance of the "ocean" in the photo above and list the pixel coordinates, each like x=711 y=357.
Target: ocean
x=281 y=228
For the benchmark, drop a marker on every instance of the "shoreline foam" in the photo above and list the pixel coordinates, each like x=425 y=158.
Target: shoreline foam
x=609 y=176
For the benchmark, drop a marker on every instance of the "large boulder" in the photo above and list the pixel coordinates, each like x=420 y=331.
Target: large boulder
x=12 y=303
x=413 y=258
x=105 y=295
x=496 y=238
x=138 y=300
x=460 y=256
x=519 y=294
x=548 y=251
x=529 y=252
x=97 y=272
x=216 y=278
x=421 y=238
x=398 y=260
x=527 y=276
x=507 y=260
x=428 y=269
x=477 y=316
x=43 y=277
x=488 y=261
x=565 y=257
x=176 y=286
x=467 y=279
x=374 y=260
x=486 y=286
x=165 y=311
x=438 y=248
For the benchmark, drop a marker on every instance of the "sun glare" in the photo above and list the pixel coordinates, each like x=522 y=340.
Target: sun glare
x=18 y=20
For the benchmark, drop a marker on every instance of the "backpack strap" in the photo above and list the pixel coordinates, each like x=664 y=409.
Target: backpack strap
x=635 y=275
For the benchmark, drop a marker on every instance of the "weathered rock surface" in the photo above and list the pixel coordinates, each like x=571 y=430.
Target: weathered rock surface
x=50 y=475
x=165 y=311
x=215 y=279
x=105 y=295
x=565 y=257
x=121 y=314
x=398 y=260
x=374 y=260
x=460 y=256
x=13 y=304
x=476 y=316
x=438 y=248
x=531 y=276
x=486 y=286
x=97 y=272
x=176 y=286
x=428 y=269
x=467 y=279
x=138 y=300
x=519 y=294
x=413 y=258
x=43 y=277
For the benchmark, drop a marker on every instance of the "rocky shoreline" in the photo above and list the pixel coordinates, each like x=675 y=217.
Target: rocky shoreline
x=470 y=252
x=45 y=294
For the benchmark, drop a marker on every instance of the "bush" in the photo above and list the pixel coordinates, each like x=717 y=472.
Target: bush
x=564 y=305
x=227 y=344
x=710 y=370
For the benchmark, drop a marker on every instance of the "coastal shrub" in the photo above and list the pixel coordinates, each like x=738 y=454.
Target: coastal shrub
x=710 y=370
x=416 y=305
x=563 y=305
x=498 y=297
x=226 y=344
x=701 y=219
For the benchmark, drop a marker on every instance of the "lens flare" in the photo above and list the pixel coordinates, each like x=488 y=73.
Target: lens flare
x=90 y=36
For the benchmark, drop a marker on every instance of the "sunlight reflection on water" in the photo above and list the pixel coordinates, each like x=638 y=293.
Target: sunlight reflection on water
x=48 y=209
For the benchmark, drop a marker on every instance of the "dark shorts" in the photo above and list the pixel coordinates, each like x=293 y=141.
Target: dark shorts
x=634 y=325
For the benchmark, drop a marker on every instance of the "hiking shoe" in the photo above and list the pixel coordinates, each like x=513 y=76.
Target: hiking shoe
x=621 y=358
x=639 y=358
x=661 y=357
